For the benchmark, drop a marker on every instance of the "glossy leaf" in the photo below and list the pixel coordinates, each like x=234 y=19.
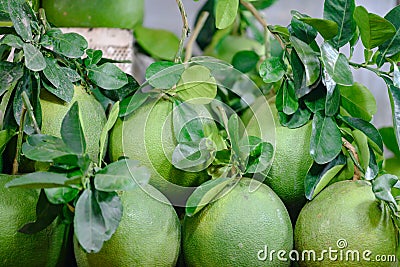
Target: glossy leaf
x=37 y=180
x=193 y=156
x=336 y=64
x=122 y=175
x=309 y=58
x=361 y=142
x=93 y=57
x=373 y=168
x=72 y=131
x=20 y=19
x=296 y=120
x=64 y=88
x=5 y=137
x=130 y=104
x=260 y=156
x=327 y=28
x=316 y=99
x=235 y=130
x=164 y=74
x=225 y=13
x=389 y=139
x=332 y=101
x=358 y=101
x=382 y=187
x=44 y=148
x=302 y=30
x=112 y=118
x=107 y=76
x=206 y=193
x=392 y=46
x=319 y=176
x=299 y=75
x=61 y=195
x=394 y=95
x=197 y=85
x=341 y=12
x=326 y=142
x=272 y=70
x=374 y=30
x=286 y=100
x=368 y=129
x=34 y=59
x=245 y=61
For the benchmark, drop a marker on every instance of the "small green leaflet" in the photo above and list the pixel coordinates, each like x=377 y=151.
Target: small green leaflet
x=392 y=46
x=394 y=95
x=61 y=195
x=72 y=131
x=260 y=155
x=112 y=118
x=37 y=180
x=374 y=30
x=34 y=59
x=327 y=28
x=309 y=58
x=107 y=76
x=71 y=44
x=272 y=70
x=286 y=100
x=326 y=142
x=382 y=187
x=131 y=103
x=164 y=74
x=332 y=101
x=44 y=148
x=302 y=30
x=58 y=77
x=245 y=61
x=225 y=13
x=20 y=19
x=196 y=85
x=337 y=65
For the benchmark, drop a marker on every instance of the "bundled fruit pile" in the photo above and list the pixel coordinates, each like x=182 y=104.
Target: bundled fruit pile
x=259 y=152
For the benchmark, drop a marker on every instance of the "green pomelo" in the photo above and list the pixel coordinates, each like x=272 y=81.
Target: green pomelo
x=18 y=207
x=346 y=217
x=147 y=135
x=91 y=113
x=234 y=229
x=123 y=14
x=149 y=234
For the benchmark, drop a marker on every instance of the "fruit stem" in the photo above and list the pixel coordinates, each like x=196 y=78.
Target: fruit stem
x=185 y=30
x=15 y=165
x=352 y=150
x=29 y=109
x=199 y=25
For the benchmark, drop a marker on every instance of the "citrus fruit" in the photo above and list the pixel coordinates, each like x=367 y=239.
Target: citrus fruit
x=147 y=135
x=346 y=217
x=292 y=158
x=124 y=14
x=148 y=234
x=91 y=113
x=238 y=229
x=18 y=207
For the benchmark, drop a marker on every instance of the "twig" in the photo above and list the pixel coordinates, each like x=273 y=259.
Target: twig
x=29 y=109
x=351 y=148
x=185 y=30
x=15 y=165
x=199 y=25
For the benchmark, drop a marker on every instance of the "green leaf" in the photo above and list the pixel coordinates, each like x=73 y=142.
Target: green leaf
x=197 y=85
x=316 y=99
x=394 y=95
x=37 y=180
x=107 y=76
x=61 y=195
x=326 y=142
x=319 y=176
x=208 y=192
x=112 y=118
x=160 y=44
x=93 y=57
x=71 y=44
x=245 y=61
x=10 y=73
x=97 y=216
x=309 y=58
x=193 y=156
x=44 y=148
x=225 y=13
x=389 y=139
x=374 y=138
x=332 y=101
x=296 y=120
x=341 y=12
x=64 y=88
x=163 y=74
x=72 y=131
x=382 y=187
x=235 y=133
x=286 y=100
x=302 y=30
x=20 y=19
x=299 y=75
x=337 y=65
x=46 y=213
x=123 y=175
x=260 y=156
x=327 y=28
x=358 y=101
x=361 y=142
x=392 y=46
x=34 y=59
x=5 y=137
x=373 y=168
x=374 y=29
x=130 y=104
x=13 y=41
x=272 y=70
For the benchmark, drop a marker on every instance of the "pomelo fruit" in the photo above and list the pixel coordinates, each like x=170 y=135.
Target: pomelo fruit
x=346 y=217
x=148 y=234
x=238 y=229
x=18 y=207
x=123 y=14
x=147 y=135
x=91 y=112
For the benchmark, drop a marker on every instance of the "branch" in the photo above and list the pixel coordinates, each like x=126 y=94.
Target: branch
x=29 y=109
x=15 y=165
x=185 y=30
x=352 y=149
x=199 y=25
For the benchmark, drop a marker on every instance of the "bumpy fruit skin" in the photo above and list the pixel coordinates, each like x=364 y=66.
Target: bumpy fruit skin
x=147 y=135
x=232 y=230
x=346 y=217
x=93 y=117
x=18 y=207
x=148 y=234
x=124 y=14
